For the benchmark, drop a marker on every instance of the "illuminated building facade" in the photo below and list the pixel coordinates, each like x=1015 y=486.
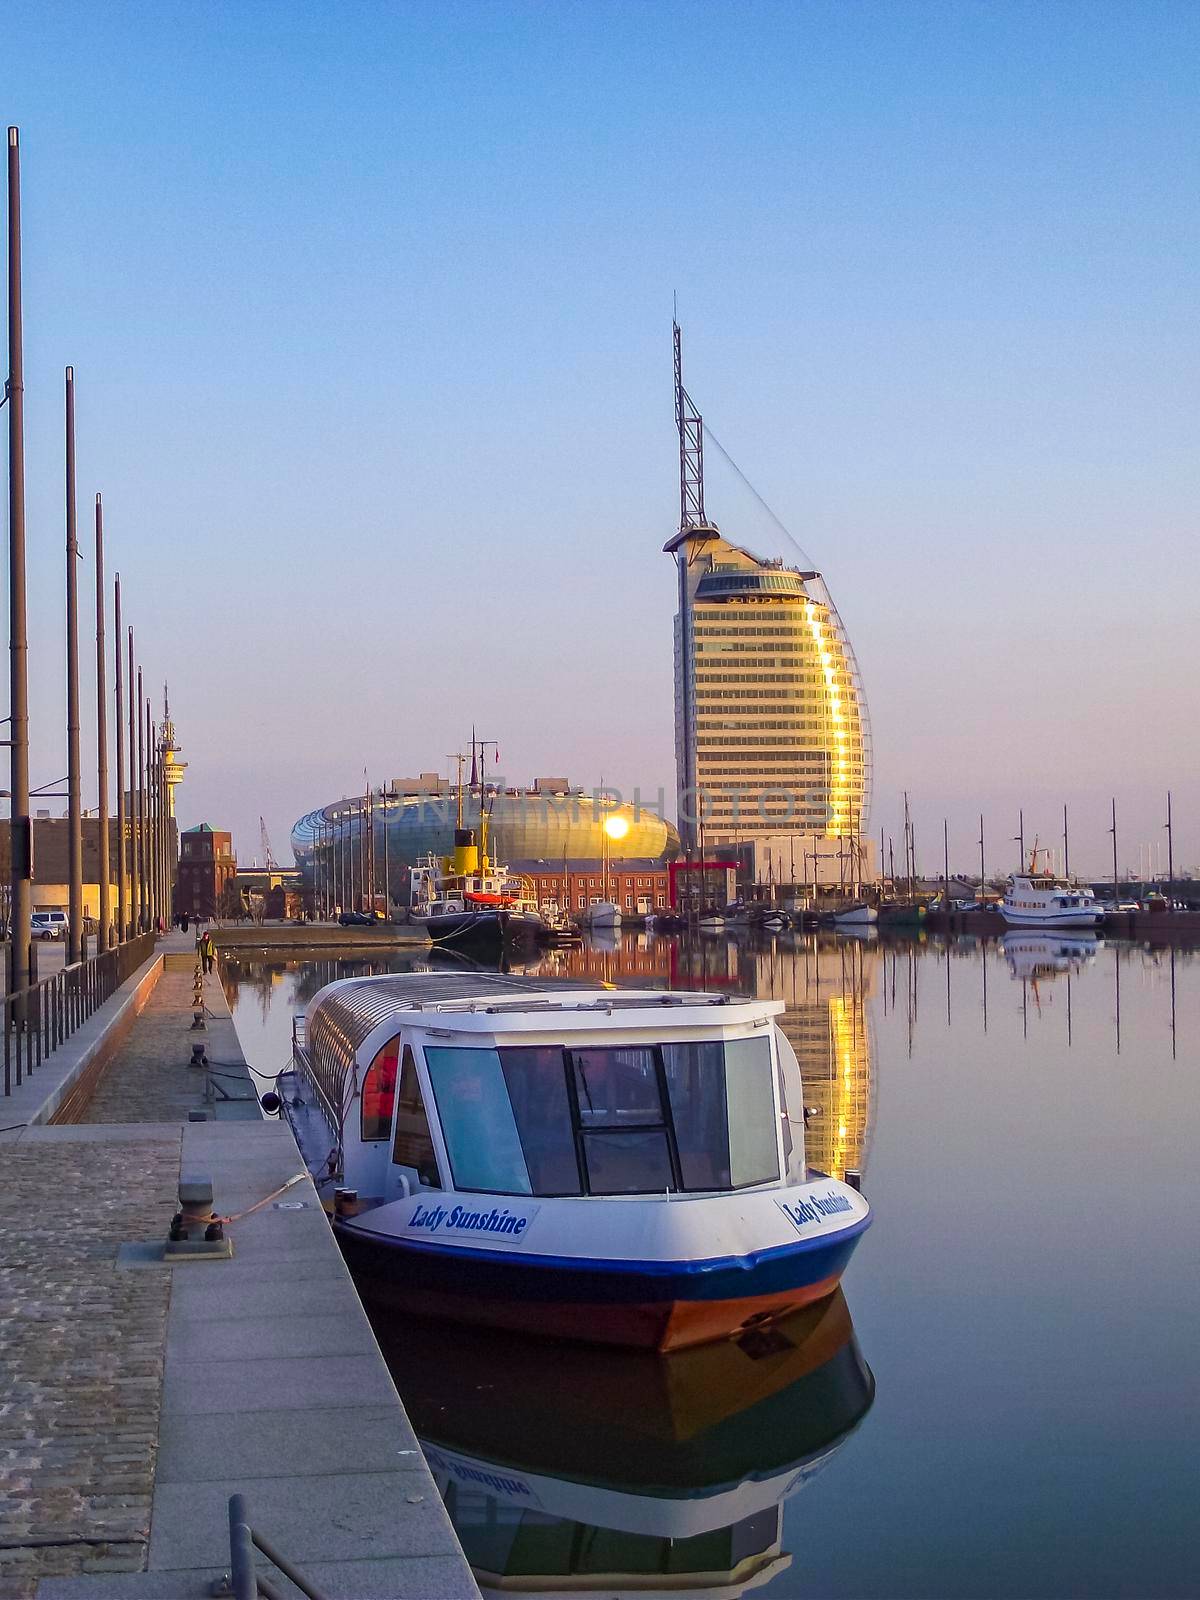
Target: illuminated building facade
x=770 y=716
x=770 y=726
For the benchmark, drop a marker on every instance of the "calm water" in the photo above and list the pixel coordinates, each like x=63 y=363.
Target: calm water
x=1027 y=1121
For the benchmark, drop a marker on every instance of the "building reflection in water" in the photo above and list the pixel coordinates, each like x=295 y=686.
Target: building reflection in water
x=616 y=1471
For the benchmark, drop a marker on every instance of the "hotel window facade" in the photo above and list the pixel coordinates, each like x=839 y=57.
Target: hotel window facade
x=768 y=696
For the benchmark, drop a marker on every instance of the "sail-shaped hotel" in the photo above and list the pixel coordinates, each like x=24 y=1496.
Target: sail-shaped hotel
x=771 y=732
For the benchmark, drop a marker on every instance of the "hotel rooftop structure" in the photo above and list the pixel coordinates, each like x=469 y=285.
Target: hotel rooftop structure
x=771 y=734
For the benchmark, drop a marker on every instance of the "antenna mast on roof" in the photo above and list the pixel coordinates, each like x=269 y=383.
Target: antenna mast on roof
x=691 y=447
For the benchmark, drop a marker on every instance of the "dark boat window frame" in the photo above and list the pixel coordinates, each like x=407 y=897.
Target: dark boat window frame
x=581 y=1132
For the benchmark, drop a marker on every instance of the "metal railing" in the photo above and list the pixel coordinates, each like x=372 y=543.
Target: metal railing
x=242 y=1581
x=39 y=1019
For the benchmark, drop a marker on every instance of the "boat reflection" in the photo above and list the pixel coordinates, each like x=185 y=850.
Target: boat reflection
x=603 y=1470
x=1046 y=954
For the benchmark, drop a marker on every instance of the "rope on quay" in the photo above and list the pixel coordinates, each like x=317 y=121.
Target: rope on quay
x=237 y=1216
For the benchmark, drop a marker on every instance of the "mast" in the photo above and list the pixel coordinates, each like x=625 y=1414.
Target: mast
x=123 y=914
x=76 y=947
x=21 y=825
x=104 y=869
x=694 y=531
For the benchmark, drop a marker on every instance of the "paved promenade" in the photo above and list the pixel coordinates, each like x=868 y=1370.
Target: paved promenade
x=135 y=1397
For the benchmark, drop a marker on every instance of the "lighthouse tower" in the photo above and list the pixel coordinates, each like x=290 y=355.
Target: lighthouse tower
x=173 y=768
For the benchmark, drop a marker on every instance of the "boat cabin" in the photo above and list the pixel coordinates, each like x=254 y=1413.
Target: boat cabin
x=486 y=1083
x=1041 y=892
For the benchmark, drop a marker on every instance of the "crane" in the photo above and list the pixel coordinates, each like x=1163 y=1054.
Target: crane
x=269 y=860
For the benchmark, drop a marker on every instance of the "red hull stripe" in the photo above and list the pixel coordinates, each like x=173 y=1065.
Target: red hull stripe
x=655 y=1325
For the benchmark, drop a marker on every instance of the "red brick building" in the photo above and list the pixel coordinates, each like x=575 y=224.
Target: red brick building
x=206 y=866
x=637 y=889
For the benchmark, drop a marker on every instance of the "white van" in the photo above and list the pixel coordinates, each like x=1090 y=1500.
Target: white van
x=48 y=924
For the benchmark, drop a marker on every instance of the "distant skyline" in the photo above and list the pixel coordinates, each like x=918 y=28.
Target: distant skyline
x=369 y=309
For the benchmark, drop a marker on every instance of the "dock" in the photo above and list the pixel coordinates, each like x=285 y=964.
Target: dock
x=322 y=936
x=137 y=1396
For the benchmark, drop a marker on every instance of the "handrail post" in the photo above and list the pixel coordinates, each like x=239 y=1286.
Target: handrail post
x=241 y=1551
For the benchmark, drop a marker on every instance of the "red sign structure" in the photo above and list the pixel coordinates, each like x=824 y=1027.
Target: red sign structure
x=710 y=865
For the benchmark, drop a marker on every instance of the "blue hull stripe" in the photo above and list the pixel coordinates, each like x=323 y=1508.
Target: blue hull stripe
x=575 y=1278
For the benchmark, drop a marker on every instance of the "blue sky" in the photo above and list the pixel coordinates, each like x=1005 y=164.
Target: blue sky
x=370 y=308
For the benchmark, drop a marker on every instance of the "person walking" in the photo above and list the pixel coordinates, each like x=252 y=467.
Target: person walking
x=208 y=951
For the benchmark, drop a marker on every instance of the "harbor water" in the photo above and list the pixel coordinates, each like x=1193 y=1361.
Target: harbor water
x=1003 y=1401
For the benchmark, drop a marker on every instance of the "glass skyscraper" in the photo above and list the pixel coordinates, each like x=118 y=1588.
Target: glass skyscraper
x=770 y=719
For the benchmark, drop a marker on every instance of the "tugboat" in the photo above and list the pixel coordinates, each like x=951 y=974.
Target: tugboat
x=613 y=1166
x=466 y=898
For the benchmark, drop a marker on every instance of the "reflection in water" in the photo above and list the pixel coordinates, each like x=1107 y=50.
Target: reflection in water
x=602 y=1469
x=1038 y=956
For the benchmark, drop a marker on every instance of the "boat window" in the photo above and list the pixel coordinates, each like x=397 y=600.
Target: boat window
x=537 y=1087
x=632 y=1119
x=615 y=1088
x=723 y=1109
x=477 y=1120
x=637 y=1162
x=412 y=1145
x=379 y=1092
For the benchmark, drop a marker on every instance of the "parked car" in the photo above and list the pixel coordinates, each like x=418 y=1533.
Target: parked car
x=48 y=924
x=359 y=919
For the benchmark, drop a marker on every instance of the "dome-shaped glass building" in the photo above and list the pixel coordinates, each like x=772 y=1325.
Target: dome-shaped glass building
x=529 y=830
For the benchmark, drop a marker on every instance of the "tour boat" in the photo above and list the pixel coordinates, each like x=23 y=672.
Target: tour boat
x=617 y=1166
x=1040 y=899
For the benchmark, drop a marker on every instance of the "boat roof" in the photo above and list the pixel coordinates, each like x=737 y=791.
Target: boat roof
x=356 y=1006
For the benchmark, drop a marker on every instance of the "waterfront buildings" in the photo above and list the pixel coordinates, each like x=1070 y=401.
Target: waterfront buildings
x=770 y=718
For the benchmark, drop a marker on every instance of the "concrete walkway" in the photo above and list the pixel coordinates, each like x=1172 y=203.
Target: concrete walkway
x=136 y=1397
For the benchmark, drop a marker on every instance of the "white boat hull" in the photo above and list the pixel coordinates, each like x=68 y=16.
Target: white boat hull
x=856 y=916
x=1052 y=916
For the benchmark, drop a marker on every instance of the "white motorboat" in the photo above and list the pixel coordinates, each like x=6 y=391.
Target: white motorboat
x=614 y=1166
x=1036 y=899
x=603 y=914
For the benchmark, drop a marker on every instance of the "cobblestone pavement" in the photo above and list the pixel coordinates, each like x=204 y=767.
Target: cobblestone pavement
x=81 y=1352
x=150 y=1081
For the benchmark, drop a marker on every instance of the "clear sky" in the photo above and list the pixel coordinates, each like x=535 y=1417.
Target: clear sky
x=369 y=307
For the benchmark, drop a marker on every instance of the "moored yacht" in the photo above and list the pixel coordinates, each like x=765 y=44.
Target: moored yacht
x=1041 y=899
x=621 y=1167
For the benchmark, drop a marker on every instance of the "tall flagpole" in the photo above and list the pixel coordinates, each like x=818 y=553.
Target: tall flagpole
x=21 y=829
x=102 y=938
x=135 y=873
x=75 y=940
x=123 y=915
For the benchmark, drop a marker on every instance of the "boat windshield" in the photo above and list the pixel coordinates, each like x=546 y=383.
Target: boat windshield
x=608 y=1120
